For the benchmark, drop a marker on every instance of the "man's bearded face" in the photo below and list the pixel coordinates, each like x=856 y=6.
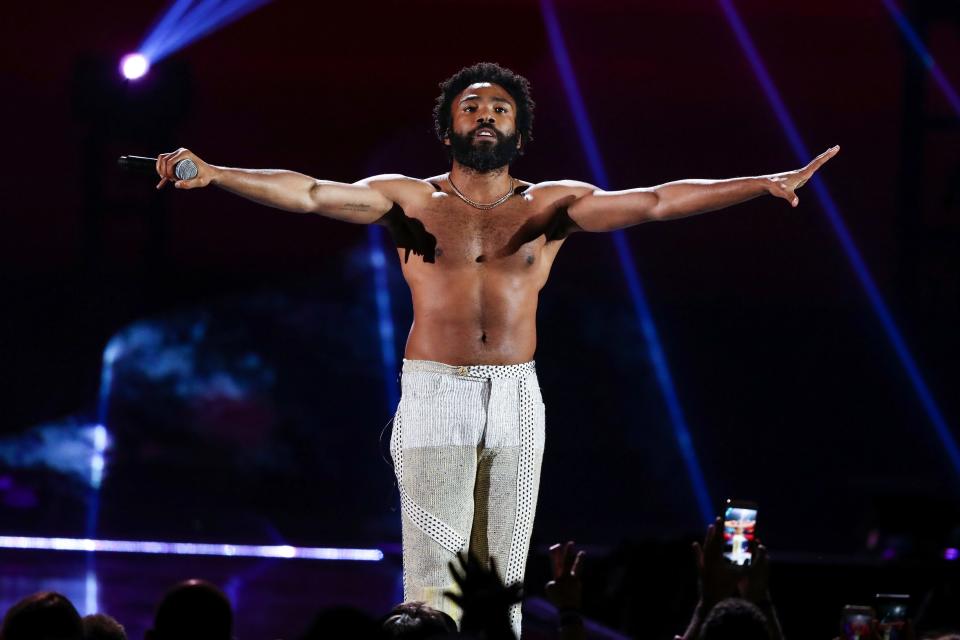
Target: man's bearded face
x=484 y=153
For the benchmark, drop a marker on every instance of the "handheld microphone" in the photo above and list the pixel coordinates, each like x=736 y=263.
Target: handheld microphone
x=186 y=169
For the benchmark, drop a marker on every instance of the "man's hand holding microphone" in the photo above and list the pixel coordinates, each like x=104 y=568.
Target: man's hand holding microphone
x=184 y=169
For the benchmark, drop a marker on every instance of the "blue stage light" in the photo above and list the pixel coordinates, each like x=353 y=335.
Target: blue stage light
x=846 y=241
x=134 y=66
x=642 y=309
x=185 y=21
x=93 y=545
x=384 y=315
x=97 y=461
x=917 y=45
x=91 y=593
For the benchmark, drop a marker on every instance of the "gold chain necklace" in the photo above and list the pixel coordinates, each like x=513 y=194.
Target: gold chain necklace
x=482 y=205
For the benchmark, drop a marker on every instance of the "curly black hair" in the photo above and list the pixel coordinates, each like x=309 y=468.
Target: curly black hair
x=516 y=85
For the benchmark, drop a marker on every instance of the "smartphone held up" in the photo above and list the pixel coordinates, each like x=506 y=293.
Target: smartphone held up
x=739 y=531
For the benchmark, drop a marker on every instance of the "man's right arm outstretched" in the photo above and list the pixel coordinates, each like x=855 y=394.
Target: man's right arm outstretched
x=360 y=203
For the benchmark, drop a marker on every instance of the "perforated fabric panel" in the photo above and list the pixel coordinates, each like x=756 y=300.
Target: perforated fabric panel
x=467 y=447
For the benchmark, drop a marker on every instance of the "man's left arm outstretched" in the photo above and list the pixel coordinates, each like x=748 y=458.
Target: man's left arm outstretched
x=598 y=210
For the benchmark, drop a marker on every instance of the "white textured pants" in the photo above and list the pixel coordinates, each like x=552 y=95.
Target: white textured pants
x=467 y=445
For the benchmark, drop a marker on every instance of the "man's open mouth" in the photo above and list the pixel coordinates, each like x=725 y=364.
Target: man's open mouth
x=485 y=133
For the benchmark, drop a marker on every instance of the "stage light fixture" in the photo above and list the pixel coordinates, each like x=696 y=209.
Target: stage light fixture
x=134 y=66
x=644 y=316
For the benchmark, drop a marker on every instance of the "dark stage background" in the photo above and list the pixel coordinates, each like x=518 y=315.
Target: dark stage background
x=246 y=398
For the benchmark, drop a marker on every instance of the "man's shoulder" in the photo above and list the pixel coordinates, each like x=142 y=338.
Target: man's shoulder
x=396 y=186
x=558 y=188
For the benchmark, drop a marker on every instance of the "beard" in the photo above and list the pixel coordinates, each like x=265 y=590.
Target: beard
x=482 y=156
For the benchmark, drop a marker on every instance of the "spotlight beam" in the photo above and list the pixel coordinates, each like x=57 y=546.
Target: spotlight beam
x=880 y=309
x=202 y=14
x=174 y=38
x=913 y=39
x=151 y=44
x=229 y=13
x=185 y=21
x=384 y=315
x=641 y=308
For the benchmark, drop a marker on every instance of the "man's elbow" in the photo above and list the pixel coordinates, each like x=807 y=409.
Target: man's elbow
x=312 y=202
x=655 y=208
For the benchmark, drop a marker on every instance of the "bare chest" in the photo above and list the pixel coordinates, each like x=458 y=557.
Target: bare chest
x=447 y=232
x=466 y=235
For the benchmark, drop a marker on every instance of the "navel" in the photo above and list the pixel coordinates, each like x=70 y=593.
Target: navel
x=481 y=258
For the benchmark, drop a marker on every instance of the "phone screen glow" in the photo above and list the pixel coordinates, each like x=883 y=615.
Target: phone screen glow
x=739 y=526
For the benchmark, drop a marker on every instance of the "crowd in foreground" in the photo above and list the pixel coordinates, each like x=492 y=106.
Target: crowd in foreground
x=734 y=604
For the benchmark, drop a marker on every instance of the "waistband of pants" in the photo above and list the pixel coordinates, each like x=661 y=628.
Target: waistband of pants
x=474 y=371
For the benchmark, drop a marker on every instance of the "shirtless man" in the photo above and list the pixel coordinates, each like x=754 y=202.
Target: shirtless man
x=468 y=433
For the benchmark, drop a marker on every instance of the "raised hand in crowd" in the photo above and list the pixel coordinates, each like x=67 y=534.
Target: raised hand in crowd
x=719 y=579
x=565 y=590
x=485 y=600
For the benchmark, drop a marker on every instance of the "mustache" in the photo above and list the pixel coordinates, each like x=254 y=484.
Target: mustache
x=489 y=127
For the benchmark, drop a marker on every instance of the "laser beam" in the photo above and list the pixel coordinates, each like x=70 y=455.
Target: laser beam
x=913 y=39
x=879 y=306
x=384 y=314
x=641 y=308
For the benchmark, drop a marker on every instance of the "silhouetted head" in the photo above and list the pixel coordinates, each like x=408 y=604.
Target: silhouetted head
x=939 y=611
x=735 y=619
x=193 y=610
x=484 y=114
x=42 y=616
x=99 y=626
x=417 y=621
x=342 y=622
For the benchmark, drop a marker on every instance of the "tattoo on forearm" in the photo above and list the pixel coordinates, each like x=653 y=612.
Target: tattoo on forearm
x=355 y=206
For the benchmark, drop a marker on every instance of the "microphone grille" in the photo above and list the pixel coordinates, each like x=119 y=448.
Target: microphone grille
x=186 y=169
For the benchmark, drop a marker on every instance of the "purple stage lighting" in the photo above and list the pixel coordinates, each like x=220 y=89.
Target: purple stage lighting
x=925 y=395
x=185 y=21
x=951 y=553
x=916 y=43
x=134 y=66
x=658 y=360
x=91 y=545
